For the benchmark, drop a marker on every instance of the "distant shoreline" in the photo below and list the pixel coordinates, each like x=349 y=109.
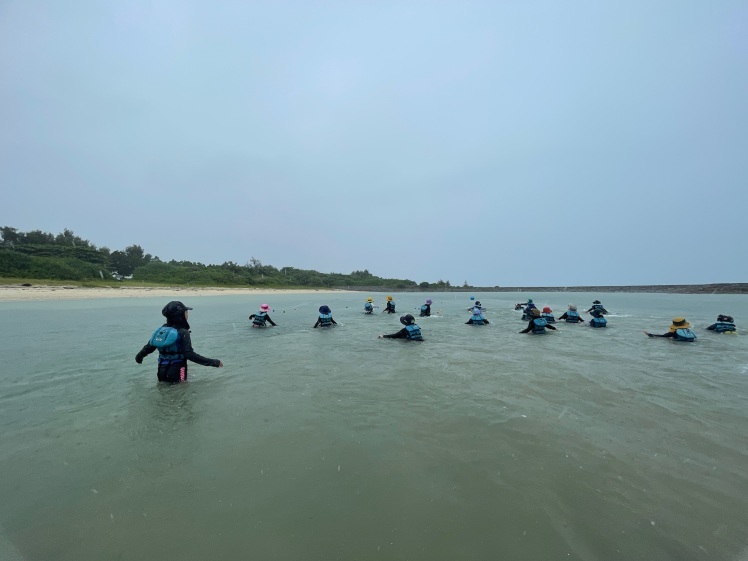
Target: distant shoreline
x=17 y=292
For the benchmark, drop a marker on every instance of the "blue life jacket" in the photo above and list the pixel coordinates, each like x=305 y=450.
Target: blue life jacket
x=685 y=335
x=325 y=320
x=599 y=322
x=538 y=326
x=169 y=344
x=424 y=308
x=414 y=332
x=572 y=316
x=477 y=319
x=722 y=326
x=259 y=319
x=598 y=307
x=548 y=317
x=391 y=305
x=368 y=307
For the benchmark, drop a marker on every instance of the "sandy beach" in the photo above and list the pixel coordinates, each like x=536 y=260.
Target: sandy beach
x=11 y=293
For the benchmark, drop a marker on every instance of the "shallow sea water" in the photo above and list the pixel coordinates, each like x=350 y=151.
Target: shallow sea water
x=479 y=443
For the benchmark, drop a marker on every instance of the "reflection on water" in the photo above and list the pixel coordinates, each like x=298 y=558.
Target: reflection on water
x=479 y=443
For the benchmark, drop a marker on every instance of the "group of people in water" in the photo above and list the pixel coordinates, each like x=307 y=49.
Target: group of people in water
x=174 y=345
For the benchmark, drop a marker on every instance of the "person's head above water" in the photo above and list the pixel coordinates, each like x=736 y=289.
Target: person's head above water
x=535 y=312
x=429 y=301
x=547 y=310
x=264 y=307
x=596 y=302
x=174 y=308
x=370 y=299
x=679 y=323
x=389 y=298
x=573 y=307
x=325 y=310
x=407 y=319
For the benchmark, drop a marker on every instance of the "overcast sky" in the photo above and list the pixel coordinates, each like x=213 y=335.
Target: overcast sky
x=514 y=143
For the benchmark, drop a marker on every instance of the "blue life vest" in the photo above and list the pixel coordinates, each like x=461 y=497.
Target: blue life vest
x=548 y=317
x=598 y=307
x=477 y=319
x=685 y=335
x=391 y=305
x=325 y=320
x=538 y=326
x=424 y=308
x=414 y=332
x=167 y=341
x=368 y=307
x=598 y=322
x=572 y=316
x=722 y=326
x=259 y=319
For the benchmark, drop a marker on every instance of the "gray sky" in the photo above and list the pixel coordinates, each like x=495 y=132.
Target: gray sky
x=503 y=143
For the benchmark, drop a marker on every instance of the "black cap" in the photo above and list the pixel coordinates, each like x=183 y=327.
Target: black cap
x=407 y=319
x=174 y=308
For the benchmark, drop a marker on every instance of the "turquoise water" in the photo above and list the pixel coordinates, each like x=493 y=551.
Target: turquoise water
x=479 y=443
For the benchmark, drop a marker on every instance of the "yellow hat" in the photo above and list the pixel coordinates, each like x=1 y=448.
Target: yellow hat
x=369 y=299
x=679 y=323
x=389 y=298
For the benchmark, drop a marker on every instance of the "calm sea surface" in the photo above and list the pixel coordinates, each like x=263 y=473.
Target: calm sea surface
x=478 y=444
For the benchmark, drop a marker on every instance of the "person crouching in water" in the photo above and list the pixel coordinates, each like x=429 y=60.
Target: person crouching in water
x=390 y=308
x=548 y=315
x=369 y=305
x=571 y=315
x=260 y=318
x=325 y=318
x=679 y=330
x=174 y=345
x=477 y=317
x=411 y=331
x=426 y=308
x=597 y=319
x=596 y=305
x=537 y=324
x=725 y=324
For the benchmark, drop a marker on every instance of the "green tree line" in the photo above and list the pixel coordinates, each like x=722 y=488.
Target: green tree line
x=65 y=256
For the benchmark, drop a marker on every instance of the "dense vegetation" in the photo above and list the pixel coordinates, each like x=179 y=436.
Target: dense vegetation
x=65 y=256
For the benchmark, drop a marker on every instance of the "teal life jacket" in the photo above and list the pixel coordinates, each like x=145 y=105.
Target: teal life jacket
x=599 y=322
x=722 y=326
x=368 y=307
x=325 y=320
x=424 y=308
x=572 y=316
x=414 y=332
x=477 y=319
x=259 y=319
x=538 y=326
x=167 y=341
x=391 y=305
x=598 y=307
x=548 y=317
x=685 y=335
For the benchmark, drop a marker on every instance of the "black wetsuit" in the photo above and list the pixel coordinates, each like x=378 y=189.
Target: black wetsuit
x=531 y=326
x=175 y=369
x=427 y=311
x=669 y=334
x=265 y=318
x=402 y=334
x=390 y=309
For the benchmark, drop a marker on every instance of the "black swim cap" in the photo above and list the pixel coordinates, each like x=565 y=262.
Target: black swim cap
x=174 y=308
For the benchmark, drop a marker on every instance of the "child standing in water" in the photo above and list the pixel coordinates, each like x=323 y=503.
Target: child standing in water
x=260 y=318
x=325 y=318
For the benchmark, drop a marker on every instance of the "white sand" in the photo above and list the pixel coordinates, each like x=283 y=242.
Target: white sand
x=10 y=293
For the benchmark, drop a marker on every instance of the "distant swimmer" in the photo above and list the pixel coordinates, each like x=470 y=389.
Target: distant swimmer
x=680 y=330
x=547 y=314
x=390 y=308
x=571 y=315
x=411 y=331
x=426 y=308
x=369 y=305
x=725 y=324
x=596 y=305
x=537 y=325
x=325 y=318
x=261 y=318
x=477 y=316
x=174 y=345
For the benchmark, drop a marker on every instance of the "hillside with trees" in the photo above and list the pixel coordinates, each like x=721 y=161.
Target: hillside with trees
x=67 y=257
